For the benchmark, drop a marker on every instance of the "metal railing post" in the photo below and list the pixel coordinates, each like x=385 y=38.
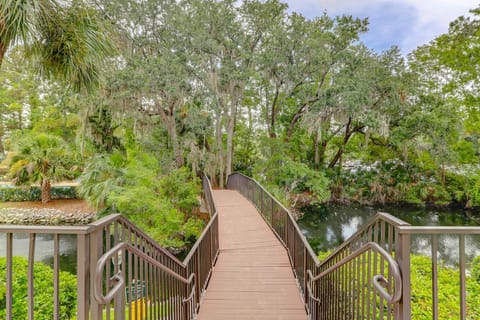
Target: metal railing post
x=402 y=309
x=83 y=276
x=96 y=246
x=305 y=291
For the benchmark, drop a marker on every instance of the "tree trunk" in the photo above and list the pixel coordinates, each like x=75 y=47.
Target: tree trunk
x=3 y=50
x=46 y=194
x=339 y=153
x=274 y=113
x=177 y=152
x=219 y=149
x=294 y=121
x=348 y=134
x=230 y=134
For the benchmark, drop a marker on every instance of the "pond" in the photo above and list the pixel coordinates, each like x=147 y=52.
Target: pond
x=329 y=226
x=44 y=249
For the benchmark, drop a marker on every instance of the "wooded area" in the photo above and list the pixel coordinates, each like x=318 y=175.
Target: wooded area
x=136 y=98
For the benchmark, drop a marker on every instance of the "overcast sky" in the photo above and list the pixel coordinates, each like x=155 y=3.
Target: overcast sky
x=405 y=23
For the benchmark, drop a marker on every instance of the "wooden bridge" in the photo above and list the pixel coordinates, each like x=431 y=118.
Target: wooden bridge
x=251 y=262
x=252 y=278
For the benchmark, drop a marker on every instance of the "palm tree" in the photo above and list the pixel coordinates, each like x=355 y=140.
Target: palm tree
x=68 y=40
x=44 y=159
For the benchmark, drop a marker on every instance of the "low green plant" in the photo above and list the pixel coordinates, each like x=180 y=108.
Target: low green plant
x=43 y=286
x=33 y=193
x=448 y=288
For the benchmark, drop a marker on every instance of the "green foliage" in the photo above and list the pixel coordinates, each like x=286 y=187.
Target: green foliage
x=394 y=182
x=256 y=91
x=43 y=284
x=448 y=292
x=182 y=189
x=45 y=158
x=448 y=283
x=32 y=193
x=292 y=178
x=474 y=191
x=160 y=203
x=101 y=176
x=69 y=40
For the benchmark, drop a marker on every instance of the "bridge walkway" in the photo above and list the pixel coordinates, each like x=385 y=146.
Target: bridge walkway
x=253 y=278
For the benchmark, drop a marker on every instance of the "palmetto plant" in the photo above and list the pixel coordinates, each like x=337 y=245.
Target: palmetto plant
x=101 y=176
x=66 y=38
x=44 y=159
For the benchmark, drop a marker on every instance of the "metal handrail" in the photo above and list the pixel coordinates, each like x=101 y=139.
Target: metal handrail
x=120 y=280
x=290 y=216
x=379 y=281
x=194 y=271
x=379 y=216
x=379 y=232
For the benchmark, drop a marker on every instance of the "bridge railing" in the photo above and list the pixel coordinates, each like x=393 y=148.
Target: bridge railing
x=450 y=288
x=369 y=276
x=121 y=272
x=360 y=280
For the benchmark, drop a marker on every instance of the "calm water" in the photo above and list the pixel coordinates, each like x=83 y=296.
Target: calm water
x=327 y=227
x=44 y=249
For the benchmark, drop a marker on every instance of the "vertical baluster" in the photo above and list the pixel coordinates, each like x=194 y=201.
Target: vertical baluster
x=9 y=271
x=390 y=275
x=463 y=291
x=375 y=262
x=369 y=274
x=31 y=263
x=343 y=289
x=130 y=276
x=107 y=268
x=156 y=284
x=56 y=277
x=435 y=276
x=382 y=265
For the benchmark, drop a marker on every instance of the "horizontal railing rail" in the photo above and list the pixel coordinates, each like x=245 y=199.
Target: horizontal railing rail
x=121 y=272
x=350 y=276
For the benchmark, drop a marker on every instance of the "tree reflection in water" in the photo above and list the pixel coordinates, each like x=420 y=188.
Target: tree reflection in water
x=329 y=226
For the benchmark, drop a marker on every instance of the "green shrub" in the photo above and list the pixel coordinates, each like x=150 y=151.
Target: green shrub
x=448 y=288
x=160 y=203
x=287 y=179
x=33 y=193
x=43 y=286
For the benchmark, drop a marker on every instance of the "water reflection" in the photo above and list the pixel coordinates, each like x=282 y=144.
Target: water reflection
x=329 y=226
x=44 y=249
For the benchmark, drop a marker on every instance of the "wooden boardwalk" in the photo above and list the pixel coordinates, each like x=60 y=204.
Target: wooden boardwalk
x=252 y=278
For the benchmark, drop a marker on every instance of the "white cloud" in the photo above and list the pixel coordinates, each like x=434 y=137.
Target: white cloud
x=406 y=23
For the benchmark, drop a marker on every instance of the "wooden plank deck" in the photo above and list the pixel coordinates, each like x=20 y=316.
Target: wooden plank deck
x=252 y=278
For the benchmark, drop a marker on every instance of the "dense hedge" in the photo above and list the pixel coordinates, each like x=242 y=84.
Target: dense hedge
x=43 y=286
x=33 y=193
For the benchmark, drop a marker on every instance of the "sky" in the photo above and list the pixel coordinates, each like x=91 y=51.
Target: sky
x=404 y=23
